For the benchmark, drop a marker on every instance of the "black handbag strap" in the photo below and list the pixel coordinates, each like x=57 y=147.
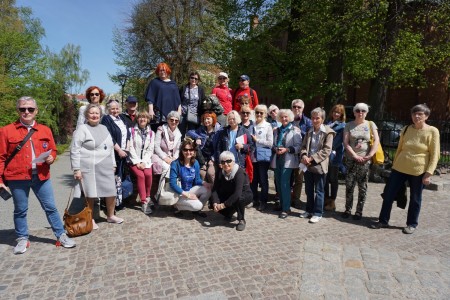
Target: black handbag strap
x=18 y=147
x=71 y=194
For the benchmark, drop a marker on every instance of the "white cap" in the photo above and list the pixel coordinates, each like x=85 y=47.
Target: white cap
x=223 y=74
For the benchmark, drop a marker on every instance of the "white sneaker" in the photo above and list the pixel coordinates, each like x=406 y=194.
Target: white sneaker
x=146 y=209
x=22 y=245
x=315 y=219
x=305 y=215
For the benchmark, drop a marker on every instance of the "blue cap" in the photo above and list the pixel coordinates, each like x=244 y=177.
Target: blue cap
x=244 y=77
x=131 y=99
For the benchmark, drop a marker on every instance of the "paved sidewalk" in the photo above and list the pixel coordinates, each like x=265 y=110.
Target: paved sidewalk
x=163 y=257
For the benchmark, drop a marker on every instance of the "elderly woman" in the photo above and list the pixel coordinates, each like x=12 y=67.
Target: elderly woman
x=337 y=123
x=94 y=95
x=117 y=127
x=141 y=150
x=234 y=138
x=316 y=149
x=203 y=137
x=415 y=161
x=359 y=153
x=223 y=93
x=162 y=95
x=272 y=116
x=231 y=191
x=167 y=144
x=287 y=142
x=191 y=96
x=93 y=161
x=262 y=137
x=193 y=191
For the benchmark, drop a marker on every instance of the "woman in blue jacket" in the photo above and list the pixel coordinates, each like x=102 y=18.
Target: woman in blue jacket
x=337 y=123
x=185 y=180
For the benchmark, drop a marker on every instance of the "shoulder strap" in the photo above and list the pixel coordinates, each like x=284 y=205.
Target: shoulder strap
x=18 y=147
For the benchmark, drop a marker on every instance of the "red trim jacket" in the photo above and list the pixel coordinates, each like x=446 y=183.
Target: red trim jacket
x=20 y=167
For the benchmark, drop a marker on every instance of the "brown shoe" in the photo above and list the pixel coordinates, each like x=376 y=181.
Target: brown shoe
x=331 y=205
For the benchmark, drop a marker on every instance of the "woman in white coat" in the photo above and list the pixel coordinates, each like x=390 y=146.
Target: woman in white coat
x=93 y=162
x=141 y=151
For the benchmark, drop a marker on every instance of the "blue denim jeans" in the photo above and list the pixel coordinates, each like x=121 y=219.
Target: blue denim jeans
x=261 y=177
x=20 y=190
x=314 y=188
x=396 y=180
x=282 y=178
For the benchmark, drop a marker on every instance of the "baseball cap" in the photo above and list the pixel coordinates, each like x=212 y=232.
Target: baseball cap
x=131 y=99
x=244 y=77
x=223 y=74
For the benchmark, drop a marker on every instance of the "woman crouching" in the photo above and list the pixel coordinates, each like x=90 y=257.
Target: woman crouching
x=231 y=191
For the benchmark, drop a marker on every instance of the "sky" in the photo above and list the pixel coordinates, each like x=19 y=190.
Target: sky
x=88 y=24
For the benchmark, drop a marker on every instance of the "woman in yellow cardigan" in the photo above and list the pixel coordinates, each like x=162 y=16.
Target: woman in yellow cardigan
x=416 y=159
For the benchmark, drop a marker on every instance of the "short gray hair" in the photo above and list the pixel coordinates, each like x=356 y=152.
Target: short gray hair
x=225 y=155
x=361 y=106
x=25 y=98
x=296 y=101
x=421 y=108
x=88 y=108
x=173 y=114
x=319 y=111
x=111 y=102
x=272 y=107
x=287 y=112
x=236 y=116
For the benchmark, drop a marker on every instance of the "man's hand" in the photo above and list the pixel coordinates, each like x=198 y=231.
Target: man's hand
x=50 y=159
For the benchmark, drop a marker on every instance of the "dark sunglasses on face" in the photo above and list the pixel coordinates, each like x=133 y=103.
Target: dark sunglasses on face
x=359 y=111
x=298 y=107
x=228 y=161
x=174 y=120
x=222 y=78
x=194 y=78
x=24 y=109
x=242 y=80
x=188 y=149
x=245 y=113
x=259 y=113
x=94 y=94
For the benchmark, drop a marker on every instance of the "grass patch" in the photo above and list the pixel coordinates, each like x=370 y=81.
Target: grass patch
x=61 y=148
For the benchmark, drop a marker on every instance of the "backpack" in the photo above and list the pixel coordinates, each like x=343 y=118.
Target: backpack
x=212 y=103
x=252 y=96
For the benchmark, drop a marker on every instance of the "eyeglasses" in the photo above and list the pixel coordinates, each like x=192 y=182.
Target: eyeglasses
x=94 y=94
x=245 y=113
x=228 y=161
x=297 y=107
x=194 y=78
x=360 y=111
x=24 y=109
x=241 y=80
x=188 y=150
x=222 y=78
x=174 y=120
x=259 y=113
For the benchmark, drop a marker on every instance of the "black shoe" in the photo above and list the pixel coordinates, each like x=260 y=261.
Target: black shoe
x=241 y=225
x=262 y=207
x=346 y=214
x=357 y=216
x=378 y=225
x=200 y=214
x=283 y=215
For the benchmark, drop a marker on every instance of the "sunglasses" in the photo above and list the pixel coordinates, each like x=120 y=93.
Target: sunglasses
x=174 y=120
x=24 y=109
x=259 y=113
x=360 y=111
x=222 y=78
x=297 y=107
x=228 y=161
x=245 y=113
x=94 y=94
x=194 y=78
x=188 y=150
x=241 y=80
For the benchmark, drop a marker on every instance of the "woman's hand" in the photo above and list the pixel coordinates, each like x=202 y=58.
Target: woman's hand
x=281 y=150
x=254 y=138
x=77 y=175
x=50 y=159
x=359 y=159
x=122 y=154
x=239 y=146
x=218 y=206
x=198 y=142
x=306 y=160
x=168 y=160
x=140 y=166
x=426 y=179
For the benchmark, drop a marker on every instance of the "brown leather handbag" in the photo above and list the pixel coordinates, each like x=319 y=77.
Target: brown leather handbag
x=80 y=223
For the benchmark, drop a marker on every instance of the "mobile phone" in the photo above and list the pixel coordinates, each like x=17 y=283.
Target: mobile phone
x=5 y=194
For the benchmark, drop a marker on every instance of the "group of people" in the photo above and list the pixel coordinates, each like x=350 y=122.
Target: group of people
x=213 y=150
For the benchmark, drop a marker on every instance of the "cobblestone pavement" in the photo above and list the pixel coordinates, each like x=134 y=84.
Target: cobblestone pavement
x=163 y=257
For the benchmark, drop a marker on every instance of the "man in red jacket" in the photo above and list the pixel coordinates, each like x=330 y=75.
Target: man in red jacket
x=29 y=169
x=244 y=90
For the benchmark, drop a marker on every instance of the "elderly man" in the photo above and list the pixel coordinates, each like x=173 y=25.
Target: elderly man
x=304 y=123
x=21 y=171
x=130 y=113
x=244 y=90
